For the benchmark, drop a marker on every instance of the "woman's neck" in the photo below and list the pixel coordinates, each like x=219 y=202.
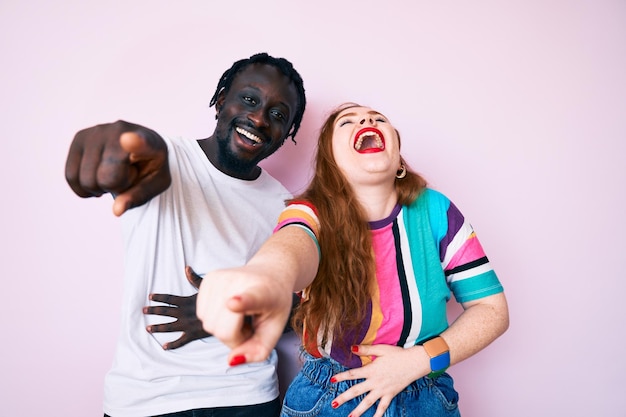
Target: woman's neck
x=377 y=200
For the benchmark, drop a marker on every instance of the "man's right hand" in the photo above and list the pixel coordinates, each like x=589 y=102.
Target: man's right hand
x=121 y=158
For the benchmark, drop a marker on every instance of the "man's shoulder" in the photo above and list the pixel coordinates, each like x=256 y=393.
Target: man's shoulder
x=273 y=185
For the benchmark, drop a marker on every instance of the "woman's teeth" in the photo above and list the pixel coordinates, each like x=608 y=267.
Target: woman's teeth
x=373 y=141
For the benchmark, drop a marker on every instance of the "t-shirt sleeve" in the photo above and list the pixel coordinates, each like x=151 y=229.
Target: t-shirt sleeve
x=466 y=266
x=301 y=214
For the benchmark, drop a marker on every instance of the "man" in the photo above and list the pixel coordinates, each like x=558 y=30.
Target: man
x=202 y=203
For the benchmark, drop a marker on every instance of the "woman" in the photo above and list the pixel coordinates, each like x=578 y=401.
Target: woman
x=376 y=254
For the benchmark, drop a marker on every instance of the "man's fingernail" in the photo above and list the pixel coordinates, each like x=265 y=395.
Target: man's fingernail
x=237 y=360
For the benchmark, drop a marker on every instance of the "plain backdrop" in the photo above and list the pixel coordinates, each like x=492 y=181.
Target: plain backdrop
x=514 y=109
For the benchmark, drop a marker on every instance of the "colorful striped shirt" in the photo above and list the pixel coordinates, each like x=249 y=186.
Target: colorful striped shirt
x=423 y=252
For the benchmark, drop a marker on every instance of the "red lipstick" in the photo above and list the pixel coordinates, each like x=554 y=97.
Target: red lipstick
x=369 y=140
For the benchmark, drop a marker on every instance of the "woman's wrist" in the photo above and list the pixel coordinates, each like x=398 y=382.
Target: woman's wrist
x=439 y=353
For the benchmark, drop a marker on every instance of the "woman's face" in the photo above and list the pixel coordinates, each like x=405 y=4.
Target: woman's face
x=365 y=145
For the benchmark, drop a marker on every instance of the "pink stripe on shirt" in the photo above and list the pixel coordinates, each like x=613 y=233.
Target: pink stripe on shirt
x=468 y=252
x=388 y=287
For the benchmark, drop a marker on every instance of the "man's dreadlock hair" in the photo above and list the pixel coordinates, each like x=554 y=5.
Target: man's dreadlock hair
x=281 y=64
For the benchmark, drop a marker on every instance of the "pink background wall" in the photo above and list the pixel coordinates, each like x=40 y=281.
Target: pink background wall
x=516 y=110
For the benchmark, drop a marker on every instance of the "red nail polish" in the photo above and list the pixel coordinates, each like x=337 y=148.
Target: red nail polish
x=335 y=404
x=237 y=360
x=355 y=349
x=333 y=379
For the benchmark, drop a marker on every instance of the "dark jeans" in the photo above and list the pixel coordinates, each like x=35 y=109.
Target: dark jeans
x=270 y=409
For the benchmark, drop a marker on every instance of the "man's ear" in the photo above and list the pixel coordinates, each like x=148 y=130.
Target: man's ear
x=219 y=103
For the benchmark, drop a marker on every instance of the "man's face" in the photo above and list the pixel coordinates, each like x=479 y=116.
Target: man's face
x=254 y=117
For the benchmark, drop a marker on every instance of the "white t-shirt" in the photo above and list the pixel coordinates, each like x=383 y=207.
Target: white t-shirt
x=207 y=220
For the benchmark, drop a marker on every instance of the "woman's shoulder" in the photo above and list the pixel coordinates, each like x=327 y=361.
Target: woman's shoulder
x=430 y=199
x=301 y=204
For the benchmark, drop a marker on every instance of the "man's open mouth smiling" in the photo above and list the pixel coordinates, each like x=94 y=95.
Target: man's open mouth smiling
x=369 y=140
x=256 y=140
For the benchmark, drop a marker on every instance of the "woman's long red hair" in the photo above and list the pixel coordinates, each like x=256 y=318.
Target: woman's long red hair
x=336 y=301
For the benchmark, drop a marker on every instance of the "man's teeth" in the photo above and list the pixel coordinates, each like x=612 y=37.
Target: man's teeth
x=251 y=136
x=374 y=136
